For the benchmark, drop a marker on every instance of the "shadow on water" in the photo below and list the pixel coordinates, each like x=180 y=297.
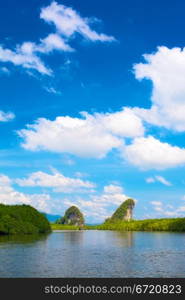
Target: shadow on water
x=22 y=239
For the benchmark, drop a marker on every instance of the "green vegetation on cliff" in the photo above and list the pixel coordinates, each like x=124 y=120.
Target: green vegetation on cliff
x=122 y=220
x=22 y=219
x=121 y=211
x=73 y=216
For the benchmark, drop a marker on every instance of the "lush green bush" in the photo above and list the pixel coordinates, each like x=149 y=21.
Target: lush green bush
x=22 y=219
x=176 y=224
x=172 y=224
x=64 y=227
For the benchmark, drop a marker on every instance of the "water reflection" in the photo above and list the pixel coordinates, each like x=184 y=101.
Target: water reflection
x=124 y=239
x=73 y=237
x=93 y=254
x=22 y=239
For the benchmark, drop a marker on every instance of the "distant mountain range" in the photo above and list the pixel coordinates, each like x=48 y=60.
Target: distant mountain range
x=52 y=218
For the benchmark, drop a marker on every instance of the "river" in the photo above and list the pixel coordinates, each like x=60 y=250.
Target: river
x=93 y=254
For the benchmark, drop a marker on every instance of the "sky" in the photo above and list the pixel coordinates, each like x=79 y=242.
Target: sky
x=92 y=106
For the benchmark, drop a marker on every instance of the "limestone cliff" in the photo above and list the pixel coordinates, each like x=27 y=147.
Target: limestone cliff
x=124 y=211
x=73 y=216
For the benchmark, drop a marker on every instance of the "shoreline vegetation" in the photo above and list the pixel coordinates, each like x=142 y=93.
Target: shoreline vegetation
x=120 y=220
x=170 y=224
x=22 y=219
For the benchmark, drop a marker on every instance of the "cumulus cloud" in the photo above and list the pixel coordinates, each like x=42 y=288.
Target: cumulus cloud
x=123 y=123
x=158 y=178
x=68 y=22
x=150 y=153
x=53 y=42
x=166 y=69
x=6 y=116
x=150 y=180
x=57 y=181
x=113 y=189
x=181 y=209
x=9 y=195
x=90 y=136
x=167 y=210
x=96 y=135
x=96 y=206
x=156 y=203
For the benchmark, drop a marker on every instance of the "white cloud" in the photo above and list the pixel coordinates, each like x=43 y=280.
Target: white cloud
x=10 y=196
x=159 y=178
x=157 y=206
x=95 y=206
x=81 y=174
x=90 y=136
x=150 y=180
x=163 y=180
x=156 y=203
x=181 y=209
x=150 y=153
x=171 y=214
x=5 y=117
x=123 y=123
x=159 y=209
x=57 y=181
x=107 y=199
x=25 y=57
x=66 y=160
x=113 y=189
x=166 y=70
x=27 y=54
x=167 y=210
x=53 y=42
x=52 y=90
x=68 y=22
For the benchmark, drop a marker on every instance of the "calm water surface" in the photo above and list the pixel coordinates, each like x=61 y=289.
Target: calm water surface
x=94 y=254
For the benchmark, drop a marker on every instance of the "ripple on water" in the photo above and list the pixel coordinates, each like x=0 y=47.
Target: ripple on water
x=94 y=254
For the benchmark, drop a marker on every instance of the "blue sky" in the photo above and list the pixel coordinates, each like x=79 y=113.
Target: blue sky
x=92 y=106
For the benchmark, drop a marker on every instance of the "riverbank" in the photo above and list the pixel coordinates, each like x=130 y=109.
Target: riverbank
x=175 y=225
